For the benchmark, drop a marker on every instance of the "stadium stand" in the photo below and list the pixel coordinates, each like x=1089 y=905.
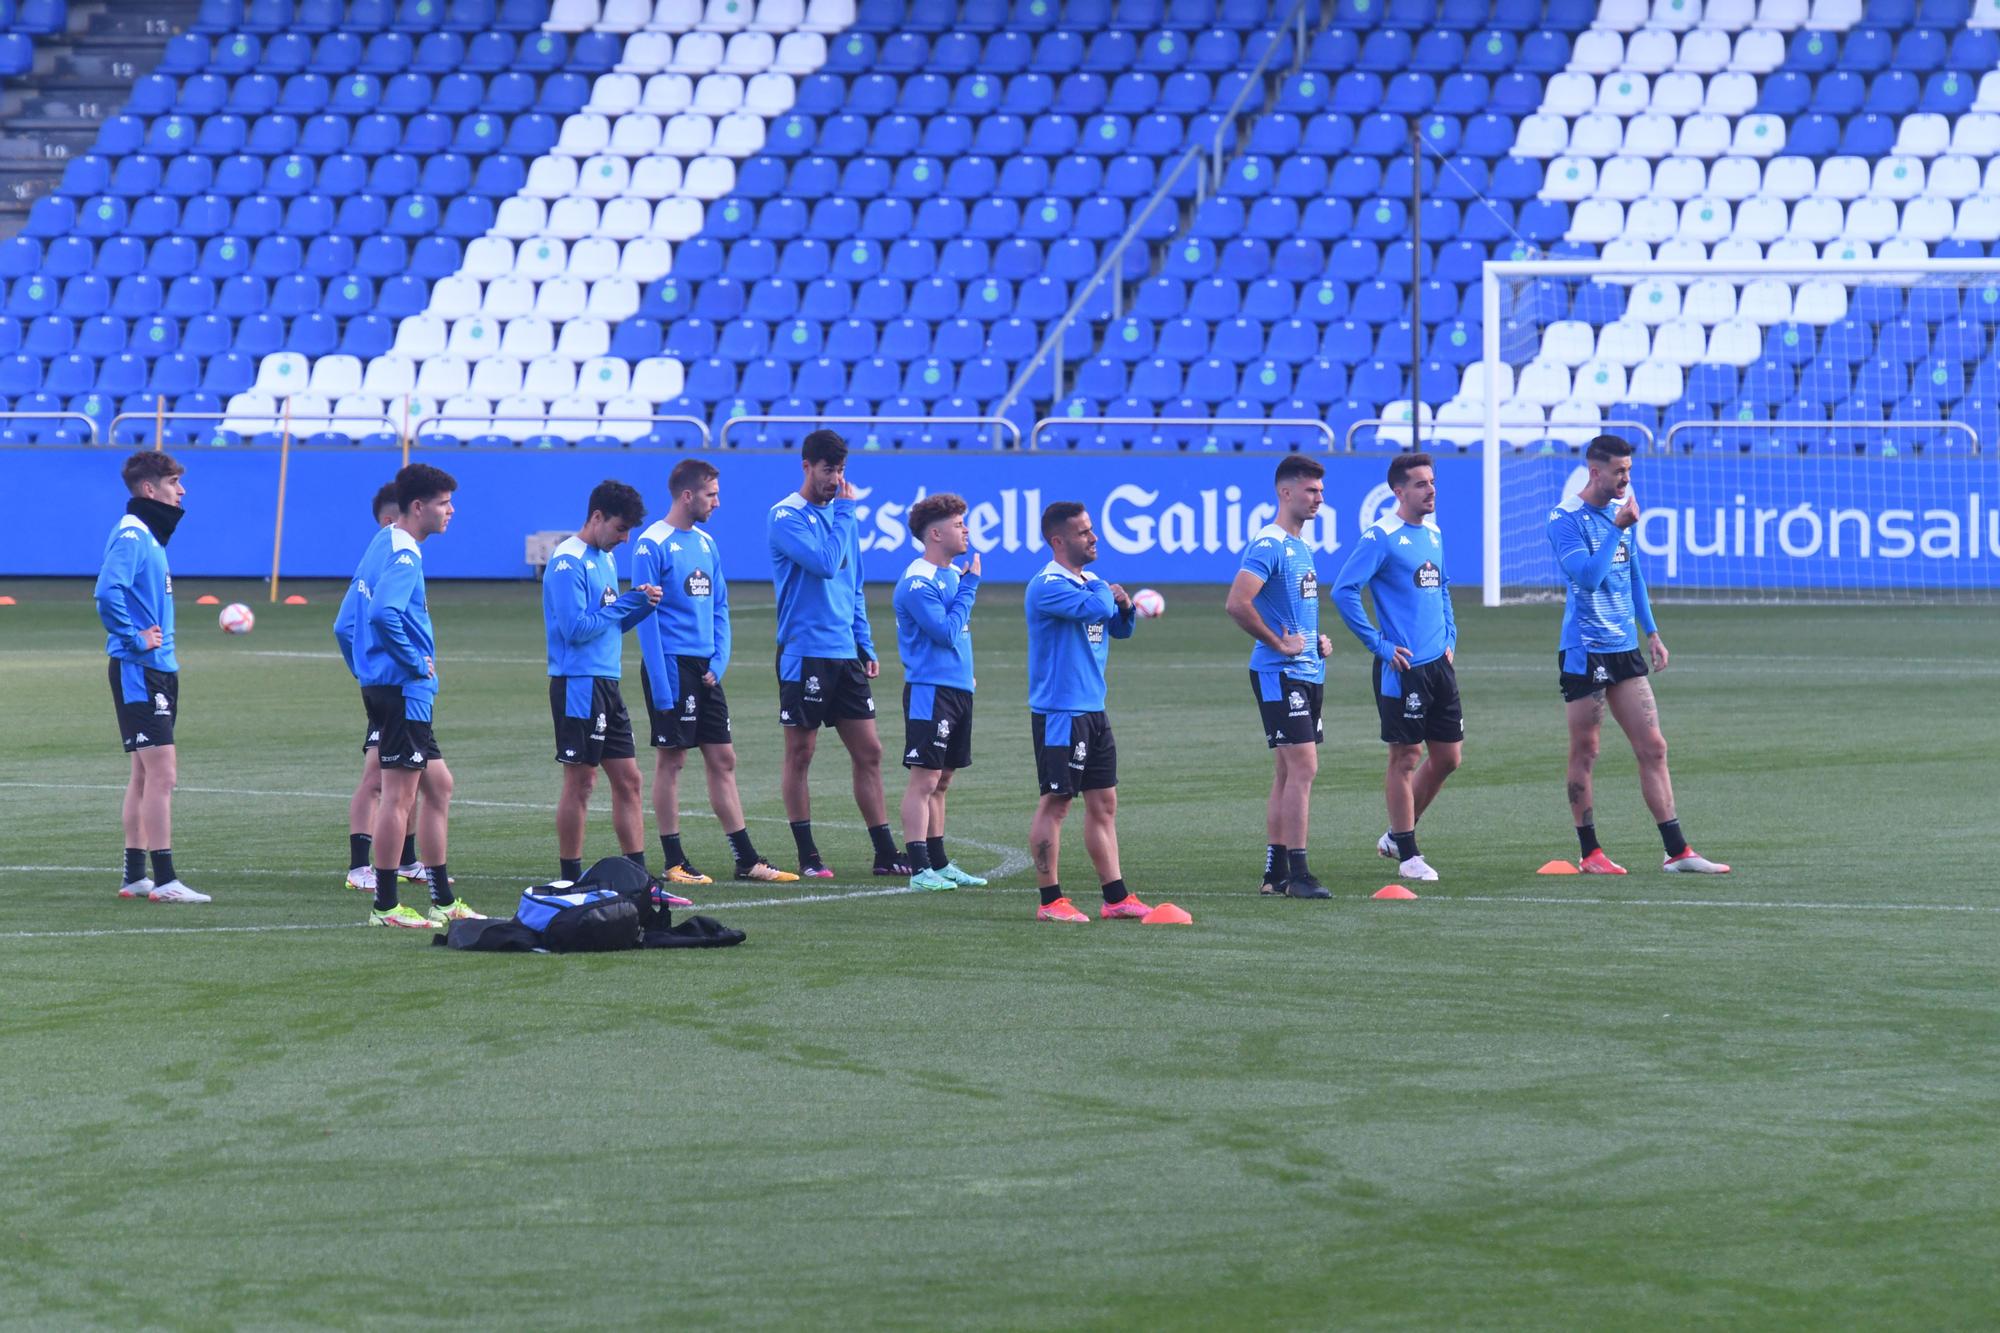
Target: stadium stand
x=577 y=215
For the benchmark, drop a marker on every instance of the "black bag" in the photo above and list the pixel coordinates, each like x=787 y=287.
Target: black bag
x=659 y=930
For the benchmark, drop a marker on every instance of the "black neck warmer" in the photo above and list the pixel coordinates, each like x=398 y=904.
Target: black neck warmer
x=160 y=519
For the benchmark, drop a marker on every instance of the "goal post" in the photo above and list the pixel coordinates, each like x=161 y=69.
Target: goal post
x=1811 y=430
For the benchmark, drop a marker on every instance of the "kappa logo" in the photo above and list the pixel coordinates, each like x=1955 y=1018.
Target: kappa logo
x=1402 y=541
x=129 y=535
x=1600 y=672
x=374 y=737
x=569 y=754
x=404 y=560
x=141 y=739
x=160 y=705
x=784 y=715
x=871 y=705
x=812 y=685
x=944 y=728
x=913 y=755
x=562 y=564
x=698 y=584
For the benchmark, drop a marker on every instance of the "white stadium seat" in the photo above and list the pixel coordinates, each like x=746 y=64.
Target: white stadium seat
x=778 y=15
x=1953 y=176
x=1543 y=383
x=624 y=16
x=519 y=417
x=656 y=178
x=549 y=377
x=1675 y=15
x=496 y=376
x=1834 y=15
x=559 y=299
x=1872 y=220
x=1817 y=220
x=1624 y=341
x=419 y=336
x=1595 y=221
x=674 y=15
x=603 y=177
x=487 y=257
x=1541 y=135
x=443 y=376
x=1736 y=342
x=625 y=418
x=1620 y=15
x=613 y=94
x=727 y=15
x=770 y=94
x=1844 y=251
x=1781 y=15
x=573 y=418
x=1596 y=135
x=646 y=53
x=1766 y=301
x=677 y=219
x=474 y=336
x=1653 y=302
x=829 y=16
x=1758 y=52
x=1703 y=51
x=1624 y=94
x=584 y=338
x=336 y=375
x=1975 y=134
x=1569 y=179
x=1676 y=94
x=521 y=217
x=667 y=95
x=1989 y=91
x=1574 y=421
x=1600 y=382
x=1926 y=220
x=1657 y=383
x=749 y=53
x=1793 y=251
x=695 y=53
x=1652 y=51
x=1596 y=51
x=1710 y=301
x=658 y=379
x=551 y=178
x=455 y=297
x=800 y=53
x=1681 y=251
x=1925 y=134
x=1734 y=178
x=572 y=218
x=613 y=299
x=739 y=134
x=1703 y=136
x=584 y=134
x=703 y=178
x=1650 y=135
x=638 y=133
x=597 y=257
x=526 y=338
x=571 y=16
x=542 y=257
x=1567 y=342
x=1897 y=178
x=603 y=378
x=1569 y=94
x=1680 y=342
x=390 y=376
x=1978 y=219
x=1706 y=220
x=1759 y=136
x=1652 y=220
x=718 y=94
x=1680 y=178
x=1842 y=178
x=507 y=297
x=1820 y=301
x=1625 y=179
x=646 y=259
x=465 y=415
x=687 y=135
x=625 y=219
x=1730 y=93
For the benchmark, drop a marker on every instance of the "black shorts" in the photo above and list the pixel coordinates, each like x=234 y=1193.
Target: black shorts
x=937 y=727
x=1290 y=708
x=147 y=702
x=1074 y=752
x=1583 y=674
x=406 y=741
x=372 y=737
x=1420 y=704
x=700 y=715
x=816 y=691
x=591 y=722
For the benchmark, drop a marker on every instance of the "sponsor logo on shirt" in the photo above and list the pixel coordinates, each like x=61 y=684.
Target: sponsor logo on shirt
x=1622 y=555
x=1094 y=632
x=609 y=596
x=1429 y=577
x=699 y=584
x=1309 y=586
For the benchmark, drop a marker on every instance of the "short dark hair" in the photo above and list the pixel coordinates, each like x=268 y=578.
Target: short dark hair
x=823 y=446
x=148 y=465
x=421 y=481
x=1607 y=447
x=1401 y=465
x=1298 y=465
x=1057 y=516
x=614 y=499
x=690 y=474
x=384 y=499
x=931 y=509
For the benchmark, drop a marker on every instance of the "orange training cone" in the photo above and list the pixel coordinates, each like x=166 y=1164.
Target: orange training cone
x=1166 y=914
x=1393 y=892
x=208 y=599
x=7 y=601
x=295 y=600
x=1558 y=868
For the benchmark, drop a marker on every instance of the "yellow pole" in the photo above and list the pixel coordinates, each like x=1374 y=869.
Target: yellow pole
x=406 y=430
x=160 y=424
x=284 y=466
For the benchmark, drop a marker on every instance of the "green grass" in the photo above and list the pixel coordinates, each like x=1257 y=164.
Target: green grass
x=1517 y=1101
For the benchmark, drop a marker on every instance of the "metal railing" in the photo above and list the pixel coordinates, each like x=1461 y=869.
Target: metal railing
x=84 y=417
x=425 y=423
x=1416 y=428
x=304 y=425
x=998 y=423
x=1780 y=425
x=1052 y=340
x=1239 y=423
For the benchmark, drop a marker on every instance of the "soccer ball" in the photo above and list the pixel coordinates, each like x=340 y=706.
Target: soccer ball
x=236 y=618
x=1148 y=603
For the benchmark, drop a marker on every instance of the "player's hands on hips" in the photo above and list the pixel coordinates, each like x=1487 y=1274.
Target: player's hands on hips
x=1658 y=651
x=1628 y=513
x=972 y=565
x=1121 y=598
x=1325 y=648
x=152 y=636
x=1291 y=643
x=708 y=679
x=872 y=667
x=652 y=591
x=1400 y=659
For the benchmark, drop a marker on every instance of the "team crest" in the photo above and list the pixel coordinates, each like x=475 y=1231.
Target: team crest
x=1413 y=701
x=1599 y=673
x=602 y=722
x=160 y=705
x=1082 y=750
x=1297 y=701
x=812 y=685
x=690 y=705
x=944 y=728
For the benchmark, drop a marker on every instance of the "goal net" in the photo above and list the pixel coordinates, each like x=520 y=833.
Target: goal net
x=1827 y=431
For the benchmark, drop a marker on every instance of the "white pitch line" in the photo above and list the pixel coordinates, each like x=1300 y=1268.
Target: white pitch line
x=1779 y=905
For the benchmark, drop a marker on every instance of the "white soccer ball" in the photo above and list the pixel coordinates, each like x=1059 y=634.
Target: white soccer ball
x=236 y=618
x=1149 y=603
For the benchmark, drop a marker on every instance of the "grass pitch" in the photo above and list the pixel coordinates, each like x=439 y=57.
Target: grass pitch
x=1770 y=1099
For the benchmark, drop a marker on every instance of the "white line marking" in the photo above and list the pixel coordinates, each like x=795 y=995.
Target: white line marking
x=1778 y=905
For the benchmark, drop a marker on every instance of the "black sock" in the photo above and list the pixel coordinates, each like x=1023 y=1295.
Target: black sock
x=744 y=850
x=1296 y=867
x=802 y=834
x=163 y=866
x=1671 y=835
x=441 y=893
x=670 y=847
x=1050 y=892
x=568 y=867
x=409 y=849
x=358 y=845
x=638 y=858
x=385 y=888
x=1406 y=844
x=1276 y=861
x=885 y=844
x=920 y=857
x=1116 y=892
x=1586 y=836
x=135 y=864
x=935 y=846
